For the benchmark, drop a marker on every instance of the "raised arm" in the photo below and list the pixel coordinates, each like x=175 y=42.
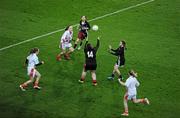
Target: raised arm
x=97 y=45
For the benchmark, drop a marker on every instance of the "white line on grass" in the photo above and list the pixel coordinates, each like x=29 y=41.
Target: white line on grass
x=97 y=18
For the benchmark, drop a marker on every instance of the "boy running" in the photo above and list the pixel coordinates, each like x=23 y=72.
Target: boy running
x=131 y=84
x=65 y=44
x=32 y=62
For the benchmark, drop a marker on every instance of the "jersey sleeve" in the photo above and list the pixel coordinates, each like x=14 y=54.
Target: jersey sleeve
x=115 y=52
x=63 y=37
x=36 y=60
x=137 y=83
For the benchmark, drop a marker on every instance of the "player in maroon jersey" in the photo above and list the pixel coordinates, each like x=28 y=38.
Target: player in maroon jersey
x=84 y=26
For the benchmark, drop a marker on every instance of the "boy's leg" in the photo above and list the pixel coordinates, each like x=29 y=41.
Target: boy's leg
x=80 y=45
x=58 y=58
x=143 y=100
x=118 y=72
x=36 y=83
x=67 y=55
x=83 y=75
x=93 y=74
x=76 y=42
x=31 y=73
x=125 y=106
x=113 y=73
x=25 y=84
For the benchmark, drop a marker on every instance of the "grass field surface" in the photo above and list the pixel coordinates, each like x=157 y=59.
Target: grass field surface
x=152 y=34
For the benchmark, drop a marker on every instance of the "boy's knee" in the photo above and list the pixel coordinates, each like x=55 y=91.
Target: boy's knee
x=38 y=75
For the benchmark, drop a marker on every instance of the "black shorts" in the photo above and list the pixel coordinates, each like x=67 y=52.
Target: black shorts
x=120 y=62
x=90 y=67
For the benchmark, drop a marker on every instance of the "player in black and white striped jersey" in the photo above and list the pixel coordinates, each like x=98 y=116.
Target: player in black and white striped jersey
x=119 y=52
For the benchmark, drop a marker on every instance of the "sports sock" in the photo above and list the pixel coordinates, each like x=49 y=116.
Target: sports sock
x=82 y=79
x=75 y=45
x=113 y=75
x=36 y=83
x=94 y=81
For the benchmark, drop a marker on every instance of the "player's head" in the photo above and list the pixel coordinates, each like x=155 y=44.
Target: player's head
x=70 y=28
x=132 y=73
x=122 y=43
x=83 y=18
x=89 y=46
x=34 y=50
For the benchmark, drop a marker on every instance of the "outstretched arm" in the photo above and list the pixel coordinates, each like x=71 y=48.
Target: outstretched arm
x=115 y=52
x=97 y=45
x=121 y=82
x=40 y=63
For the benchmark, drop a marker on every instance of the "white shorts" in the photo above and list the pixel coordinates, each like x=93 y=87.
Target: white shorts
x=65 y=45
x=32 y=72
x=130 y=97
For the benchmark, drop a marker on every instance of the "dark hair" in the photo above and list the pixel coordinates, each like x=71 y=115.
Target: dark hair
x=132 y=73
x=84 y=16
x=34 y=50
x=124 y=44
x=89 y=46
x=67 y=27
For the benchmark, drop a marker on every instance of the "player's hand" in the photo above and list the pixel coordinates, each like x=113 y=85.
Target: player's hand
x=98 y=37
x=136 y=74
x=110 y=47
x=42 y=62
x=119 y=80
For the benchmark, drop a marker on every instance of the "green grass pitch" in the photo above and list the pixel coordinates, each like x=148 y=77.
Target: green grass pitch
x=152 y=33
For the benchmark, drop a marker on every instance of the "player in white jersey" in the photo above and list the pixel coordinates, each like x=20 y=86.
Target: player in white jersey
x=131 y=84
x=65 y=44
x=32 y=62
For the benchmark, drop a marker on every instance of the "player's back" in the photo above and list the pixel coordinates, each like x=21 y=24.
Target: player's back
x=131 y=83
x=90 y=55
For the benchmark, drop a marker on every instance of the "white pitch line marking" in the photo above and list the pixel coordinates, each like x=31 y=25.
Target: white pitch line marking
x=59 y=30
